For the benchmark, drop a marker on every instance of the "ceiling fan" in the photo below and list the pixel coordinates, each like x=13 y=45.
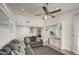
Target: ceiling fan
x=48 y=14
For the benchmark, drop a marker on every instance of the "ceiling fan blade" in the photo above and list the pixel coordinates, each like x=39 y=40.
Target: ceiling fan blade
x=45 y=10
x=38 y=14
x=55 y=11
x=52 y=16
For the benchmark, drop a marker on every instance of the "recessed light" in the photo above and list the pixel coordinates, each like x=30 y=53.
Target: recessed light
x=22 y=9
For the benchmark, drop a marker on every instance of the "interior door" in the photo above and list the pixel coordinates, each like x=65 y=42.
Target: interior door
x=75 y=33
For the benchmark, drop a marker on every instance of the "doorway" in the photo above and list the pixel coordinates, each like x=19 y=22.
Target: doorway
x=55 y=33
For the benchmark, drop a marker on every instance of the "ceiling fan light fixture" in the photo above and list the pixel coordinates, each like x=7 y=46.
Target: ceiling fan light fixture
x=48 y=14
x=45 y=16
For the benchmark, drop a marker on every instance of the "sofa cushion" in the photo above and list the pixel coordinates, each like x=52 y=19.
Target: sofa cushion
x=38 y=39
x=33 y=39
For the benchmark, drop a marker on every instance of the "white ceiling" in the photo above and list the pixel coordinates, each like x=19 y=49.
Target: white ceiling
x=30 y=9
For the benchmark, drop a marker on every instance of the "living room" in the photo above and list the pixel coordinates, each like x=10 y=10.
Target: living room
x=54 y=34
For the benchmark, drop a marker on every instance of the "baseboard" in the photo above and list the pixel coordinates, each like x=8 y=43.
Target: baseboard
x=64 y=51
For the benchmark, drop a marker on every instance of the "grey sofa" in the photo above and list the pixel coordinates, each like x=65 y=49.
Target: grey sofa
x=13 y=49
x=8 y=48
x=33 y=41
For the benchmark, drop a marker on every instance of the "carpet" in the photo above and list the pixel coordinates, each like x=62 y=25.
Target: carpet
x=45 y=50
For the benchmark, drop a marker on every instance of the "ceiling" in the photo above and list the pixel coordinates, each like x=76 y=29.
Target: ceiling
x=30 y=9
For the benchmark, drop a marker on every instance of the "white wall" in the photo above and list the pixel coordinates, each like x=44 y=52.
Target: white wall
x=6 y=36
x=24 y=31
x=66 y=20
